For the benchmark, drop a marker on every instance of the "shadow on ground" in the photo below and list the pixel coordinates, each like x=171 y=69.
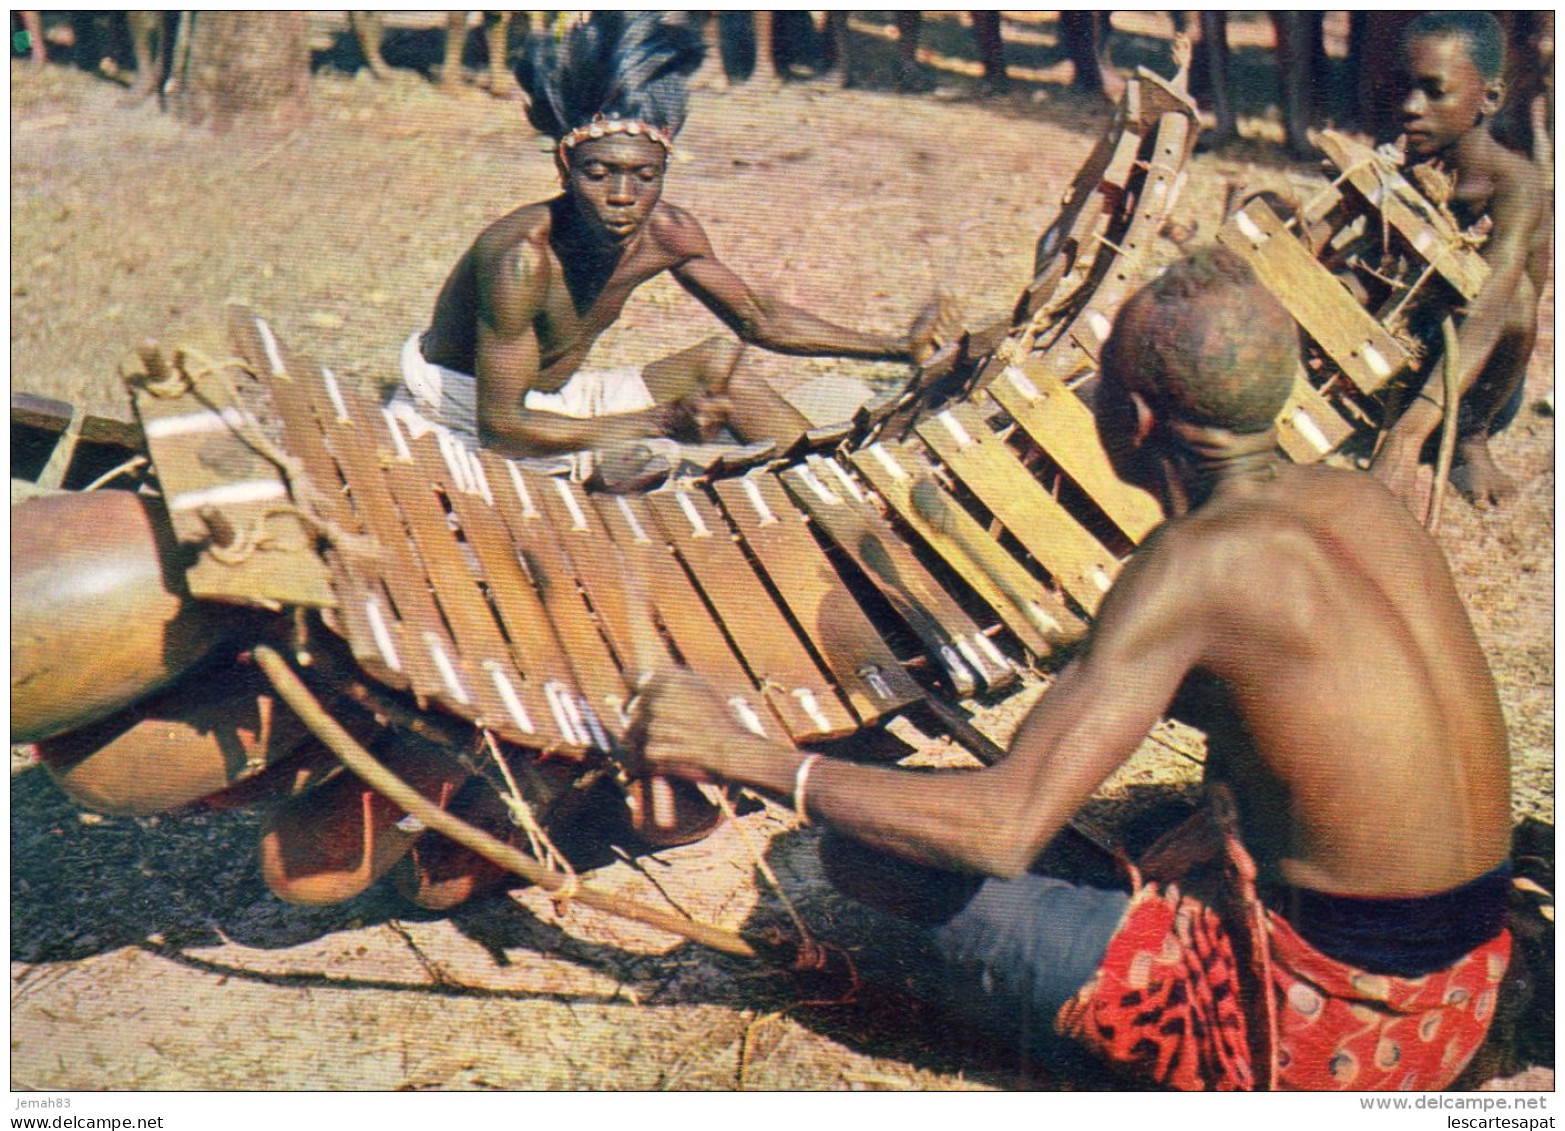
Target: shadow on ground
x=83 y=885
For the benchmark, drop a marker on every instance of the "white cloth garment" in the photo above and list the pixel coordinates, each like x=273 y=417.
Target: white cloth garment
x=435 y=397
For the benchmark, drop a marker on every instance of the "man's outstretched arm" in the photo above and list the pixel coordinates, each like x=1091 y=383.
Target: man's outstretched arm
x=784 y=328
x=993 y=821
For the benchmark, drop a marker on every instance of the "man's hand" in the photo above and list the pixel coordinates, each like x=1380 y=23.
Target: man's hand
x=1396 y=466
x=682 y=728
x=696 y=419
x=939 y=323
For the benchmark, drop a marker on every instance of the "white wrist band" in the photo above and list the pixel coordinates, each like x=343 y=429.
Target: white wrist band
x=801 y=781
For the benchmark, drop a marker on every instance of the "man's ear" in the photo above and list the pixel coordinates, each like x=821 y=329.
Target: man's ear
x=1145 y=419
x=1493 y=96
x=562 y=168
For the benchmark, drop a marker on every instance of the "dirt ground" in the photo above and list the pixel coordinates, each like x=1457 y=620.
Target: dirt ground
x=147 y=954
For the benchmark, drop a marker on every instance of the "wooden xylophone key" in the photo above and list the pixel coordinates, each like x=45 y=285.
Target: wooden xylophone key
x=407 y=623
x=1057 y=421
x=991 y=471
x=1120 y=258
x=419 y=476
x=1070 y=243
x=1387 y=194
x=1361 y=347
x=295 y=387
x=803 y=697
x=682 y=612
x=596 y=712
x=949 y=635
x=1309 y=427
x=536 y=677
x=905 y=479
x=310 y=404
x=862 y=664
x=585 y=543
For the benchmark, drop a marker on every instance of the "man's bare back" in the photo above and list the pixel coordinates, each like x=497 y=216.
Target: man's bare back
x=1348 y=675
x=1349 y=704
x=1312 y=628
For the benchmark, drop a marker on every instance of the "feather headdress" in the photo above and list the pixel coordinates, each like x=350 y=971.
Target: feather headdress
x=616 y=72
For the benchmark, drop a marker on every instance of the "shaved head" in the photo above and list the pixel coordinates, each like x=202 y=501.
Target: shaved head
x=1207 y=344
x=1480 y=31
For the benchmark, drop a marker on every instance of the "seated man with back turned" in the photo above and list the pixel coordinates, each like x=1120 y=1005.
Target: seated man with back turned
x=524 y=305
x=1453 y=63
x=1335 y=914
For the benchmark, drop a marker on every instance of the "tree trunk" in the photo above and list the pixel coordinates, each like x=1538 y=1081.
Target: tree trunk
x=244 y=64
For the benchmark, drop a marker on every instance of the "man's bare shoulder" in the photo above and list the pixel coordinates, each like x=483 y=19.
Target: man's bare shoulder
x=1320 y=499
x=528 y=226
x=677 y=231
x=513 y=251
x=1267 y=541
x=1509 y=182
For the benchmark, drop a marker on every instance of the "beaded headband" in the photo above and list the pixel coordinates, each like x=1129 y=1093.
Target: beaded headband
x=603 y=127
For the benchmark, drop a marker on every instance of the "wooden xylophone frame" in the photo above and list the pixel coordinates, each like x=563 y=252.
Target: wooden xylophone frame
x=954 y=535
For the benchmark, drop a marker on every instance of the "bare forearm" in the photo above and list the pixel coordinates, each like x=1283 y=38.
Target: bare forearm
x=1476 y=339
x=1507 y=297
x=508 y=368
x=952 y=820
x=526 y=433
x=790 y=330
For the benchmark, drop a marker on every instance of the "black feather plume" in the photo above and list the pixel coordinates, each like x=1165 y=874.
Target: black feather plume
x=630 y=65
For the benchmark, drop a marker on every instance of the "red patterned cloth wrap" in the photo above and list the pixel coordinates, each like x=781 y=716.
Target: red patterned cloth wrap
x=1177 y=1002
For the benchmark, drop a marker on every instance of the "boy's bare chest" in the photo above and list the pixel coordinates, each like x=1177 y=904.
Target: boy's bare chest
x=1474 y=205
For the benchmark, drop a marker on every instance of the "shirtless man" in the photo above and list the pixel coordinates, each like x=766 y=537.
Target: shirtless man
x=1454 y=61
x=1313 y=629
x=524 y=305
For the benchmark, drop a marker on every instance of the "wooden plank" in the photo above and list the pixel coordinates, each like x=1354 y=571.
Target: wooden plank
x=479 y=649
x=1308 y=427
x=216 y=486
x=422 y=641
x=1098 y=186
x=525 y=668
x=603 y=688
x=1361 y=347
x=1389 y=193
x=302 y=394
x=294 y=398
x=798 y=691
x=950 y=637
x=681 y=611
x=1074 y=558
x=863 y=666
x=1056 y=420
x=1324 y=218
x=1161 y=96
x=1035 y=616
x=547 y=673
x=53 y=416
x=417 y=485
x=579 y=532
x=534 y=644
x=1079 y=344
